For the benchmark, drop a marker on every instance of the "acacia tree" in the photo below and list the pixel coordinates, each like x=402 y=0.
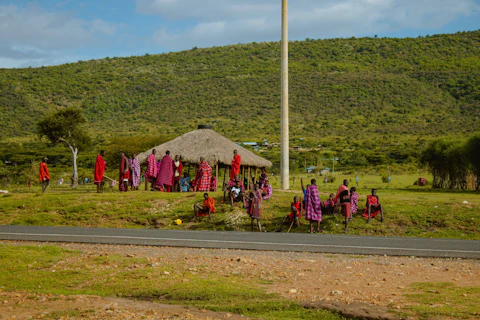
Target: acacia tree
x=65 y=126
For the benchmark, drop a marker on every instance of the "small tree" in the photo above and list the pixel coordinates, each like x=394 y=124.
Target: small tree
x=64 y=127
x=473 y=152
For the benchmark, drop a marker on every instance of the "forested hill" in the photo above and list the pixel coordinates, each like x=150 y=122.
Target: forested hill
x=341 y=90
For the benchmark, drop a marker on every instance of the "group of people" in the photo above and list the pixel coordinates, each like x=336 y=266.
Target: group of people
x=250 y=200
x=165 y=175
x=345 y=201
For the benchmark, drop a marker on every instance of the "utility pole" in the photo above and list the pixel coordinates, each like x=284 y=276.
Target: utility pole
x=284 y=143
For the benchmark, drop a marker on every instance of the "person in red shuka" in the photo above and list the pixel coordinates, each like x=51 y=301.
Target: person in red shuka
x=44 y=174
x=100 y=165
x=236 y=162
x=205 y=210
x=295 y=214
x=373 y=207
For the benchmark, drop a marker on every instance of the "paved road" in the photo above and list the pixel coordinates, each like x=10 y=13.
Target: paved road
x=395 y=246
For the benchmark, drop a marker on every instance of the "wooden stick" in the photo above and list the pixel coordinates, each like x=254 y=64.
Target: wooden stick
x=108 y=178
x=291 y=225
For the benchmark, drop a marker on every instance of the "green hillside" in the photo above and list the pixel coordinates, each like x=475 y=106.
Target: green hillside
x=343 y=92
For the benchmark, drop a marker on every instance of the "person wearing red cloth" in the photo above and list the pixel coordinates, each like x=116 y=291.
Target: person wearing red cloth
x=294 y=216
x=205 y=210
x=100 y=165
x=236 y=162
x=151 y=173
x=203 y=178
x=124 y=174
x=44 y=174
x=373 y=207
x=165 y=173
x=343 y=198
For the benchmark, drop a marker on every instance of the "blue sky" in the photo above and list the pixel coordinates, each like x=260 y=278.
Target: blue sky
x=51 y=32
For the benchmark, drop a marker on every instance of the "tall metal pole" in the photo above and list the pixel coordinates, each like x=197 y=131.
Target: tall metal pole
x=284 y=143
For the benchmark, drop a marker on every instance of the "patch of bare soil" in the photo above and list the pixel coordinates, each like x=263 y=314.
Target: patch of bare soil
x=361 y=286
x=22 y=305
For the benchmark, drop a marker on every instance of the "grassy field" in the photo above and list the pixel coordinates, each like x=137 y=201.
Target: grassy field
x=60 y=271
x=409 y=210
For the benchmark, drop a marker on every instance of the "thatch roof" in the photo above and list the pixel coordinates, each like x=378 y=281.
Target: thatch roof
x=208 y=144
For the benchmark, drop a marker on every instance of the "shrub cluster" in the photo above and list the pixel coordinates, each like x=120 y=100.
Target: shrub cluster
x=454 y=163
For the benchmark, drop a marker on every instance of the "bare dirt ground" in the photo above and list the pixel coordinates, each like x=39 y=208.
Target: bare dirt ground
x=362 y=286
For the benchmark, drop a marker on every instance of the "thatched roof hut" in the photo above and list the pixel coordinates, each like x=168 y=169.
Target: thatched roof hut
x=214 y=147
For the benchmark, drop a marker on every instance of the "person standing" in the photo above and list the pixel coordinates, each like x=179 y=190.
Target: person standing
x=151 y=173
x=356 y=180
x=353 y=200
x=44 y=174
x=124 y=173
x=343 y=199
x=135 y=169
x=235 y=167
x=203 y=177
x=252 y=206
x=313 y=209
x=100 y=165
x=266 y=190
x=165 y=173
x=177 y=173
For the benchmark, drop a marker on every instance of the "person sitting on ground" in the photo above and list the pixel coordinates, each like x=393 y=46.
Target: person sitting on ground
x=373 y=207
x=213 y=184
x=231 y=183
x=328 y=206
x=295 y=215
x=353 y=200
x=184 y=183
x=205 y=210
x=342 y=199
x=266 y=190
x=236 y=194
x=263 y=177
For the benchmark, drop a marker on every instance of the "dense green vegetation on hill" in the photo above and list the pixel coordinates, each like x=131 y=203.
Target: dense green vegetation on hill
x=377 y=101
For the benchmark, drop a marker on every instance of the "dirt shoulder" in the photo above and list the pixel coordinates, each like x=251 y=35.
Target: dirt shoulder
x=313 y=279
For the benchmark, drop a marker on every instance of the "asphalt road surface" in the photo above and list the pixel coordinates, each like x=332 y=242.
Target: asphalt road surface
x=392 y=246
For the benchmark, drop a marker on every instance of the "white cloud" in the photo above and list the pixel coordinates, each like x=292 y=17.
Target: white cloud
x=232 y=21
x=33 y=34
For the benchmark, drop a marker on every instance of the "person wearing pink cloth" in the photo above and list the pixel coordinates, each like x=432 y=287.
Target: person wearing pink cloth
x=151 y=173
x=313 y=210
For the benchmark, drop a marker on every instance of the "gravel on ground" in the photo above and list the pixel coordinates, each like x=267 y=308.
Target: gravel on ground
x=333 y=281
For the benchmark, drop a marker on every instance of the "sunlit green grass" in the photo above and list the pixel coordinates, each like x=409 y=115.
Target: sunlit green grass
x=442 y=300
x=53 y=270
x=409 y=210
